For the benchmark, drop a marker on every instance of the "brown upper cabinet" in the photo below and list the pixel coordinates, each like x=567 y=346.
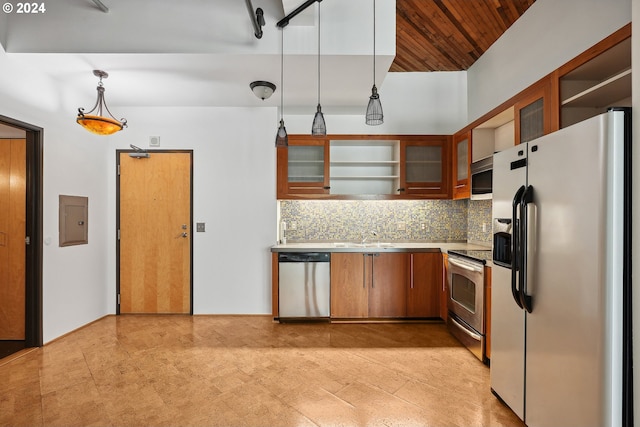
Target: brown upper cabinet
x=303 y=167
x=584 y=87
x=534 y=112
x=424 y=170
x=461 y=161
x=597 y=79
x=364 y=166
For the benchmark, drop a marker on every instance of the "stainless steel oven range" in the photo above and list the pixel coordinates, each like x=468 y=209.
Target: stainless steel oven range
x=465 y=302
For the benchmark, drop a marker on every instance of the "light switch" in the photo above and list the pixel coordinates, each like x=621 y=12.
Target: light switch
x=200 y=227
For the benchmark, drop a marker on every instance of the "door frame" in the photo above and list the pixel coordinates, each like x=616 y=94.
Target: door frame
x=151 y=152
x=33 y=251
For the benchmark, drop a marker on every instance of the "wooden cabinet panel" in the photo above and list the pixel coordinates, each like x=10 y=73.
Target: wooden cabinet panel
x=349 y=290
x=425 y=284
x=443 y=291
x=461 y=161
x=487 y=312
x=388 y=292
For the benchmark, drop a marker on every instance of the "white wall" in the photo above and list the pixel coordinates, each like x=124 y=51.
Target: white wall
x=549 y=34
x=413 y=103
x=234 y=193
x=74 y=278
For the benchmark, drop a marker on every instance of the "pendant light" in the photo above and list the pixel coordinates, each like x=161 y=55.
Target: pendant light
x=319 y=127
x=282 y=139
x=374 y=114
x=99 y=124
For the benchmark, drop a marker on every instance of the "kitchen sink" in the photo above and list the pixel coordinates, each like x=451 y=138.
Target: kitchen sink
x=362 y=245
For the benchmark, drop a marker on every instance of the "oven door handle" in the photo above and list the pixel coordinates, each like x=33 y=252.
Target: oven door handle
x=467 y=330
x=516 y=248
x=453 y=262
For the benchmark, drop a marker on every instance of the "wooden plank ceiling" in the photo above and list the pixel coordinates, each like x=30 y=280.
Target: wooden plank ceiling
x=450 y=35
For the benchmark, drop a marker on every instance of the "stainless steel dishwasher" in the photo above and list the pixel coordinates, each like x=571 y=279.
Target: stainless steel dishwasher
x=304 y=283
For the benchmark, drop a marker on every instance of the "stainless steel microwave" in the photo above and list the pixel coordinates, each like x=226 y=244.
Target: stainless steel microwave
x=482 y=179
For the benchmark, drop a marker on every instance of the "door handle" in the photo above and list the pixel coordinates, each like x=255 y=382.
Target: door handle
x=527 y=197
x=515 y=245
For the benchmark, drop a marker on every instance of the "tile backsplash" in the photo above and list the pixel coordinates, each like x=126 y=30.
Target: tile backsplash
x=408 y=220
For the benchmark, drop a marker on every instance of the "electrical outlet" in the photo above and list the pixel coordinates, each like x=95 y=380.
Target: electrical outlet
x=484 y=227
x=200 y=227
x=293 y=226
x=402 y=226
x=423 y=226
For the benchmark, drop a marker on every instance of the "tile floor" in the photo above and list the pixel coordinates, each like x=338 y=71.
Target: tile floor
x=248 y=371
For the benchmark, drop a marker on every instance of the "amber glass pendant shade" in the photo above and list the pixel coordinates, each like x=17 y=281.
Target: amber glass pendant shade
x=99 y=125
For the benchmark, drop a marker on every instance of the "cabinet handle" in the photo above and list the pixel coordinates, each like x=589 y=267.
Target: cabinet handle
x=460 y=186
x=326 y=188
x=400 y=189
x=364 y=271
x=372 y=278
x=411 y=267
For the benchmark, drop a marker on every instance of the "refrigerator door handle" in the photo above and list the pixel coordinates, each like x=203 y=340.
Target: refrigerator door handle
x=516 y=248
x=527 y=197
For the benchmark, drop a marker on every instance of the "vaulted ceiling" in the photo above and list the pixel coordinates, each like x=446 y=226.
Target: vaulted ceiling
x=450 y=35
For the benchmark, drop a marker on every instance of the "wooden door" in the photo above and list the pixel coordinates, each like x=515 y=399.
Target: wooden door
x=349 y=290
x=425 y=284
x=12 y=238
x=155 y=233
x=388 y=291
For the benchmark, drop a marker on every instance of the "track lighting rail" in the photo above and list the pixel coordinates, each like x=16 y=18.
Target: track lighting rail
x=285 y=21
x=257 y=20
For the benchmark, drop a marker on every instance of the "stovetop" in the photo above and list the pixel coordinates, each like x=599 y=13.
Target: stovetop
x=478 y=255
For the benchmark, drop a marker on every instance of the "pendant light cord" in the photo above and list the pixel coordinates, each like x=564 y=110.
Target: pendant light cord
x=374 y=42
x=318 y=53
x=281 y=73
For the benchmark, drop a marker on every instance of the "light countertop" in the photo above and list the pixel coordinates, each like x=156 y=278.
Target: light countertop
x=375 y=247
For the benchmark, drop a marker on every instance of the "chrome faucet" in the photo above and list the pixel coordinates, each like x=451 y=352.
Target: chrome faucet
x=365 y=237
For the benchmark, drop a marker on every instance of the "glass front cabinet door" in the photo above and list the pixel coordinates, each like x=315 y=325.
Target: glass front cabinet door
x=303 y=167
x=461 y=163
x=425 y=169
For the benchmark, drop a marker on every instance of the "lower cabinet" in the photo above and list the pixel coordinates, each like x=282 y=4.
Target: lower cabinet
x=385 y=285
x=368 y=285
x=425 y=278
x=444 y=298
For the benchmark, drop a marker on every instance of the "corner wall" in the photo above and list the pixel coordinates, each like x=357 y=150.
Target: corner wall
x=549 y=34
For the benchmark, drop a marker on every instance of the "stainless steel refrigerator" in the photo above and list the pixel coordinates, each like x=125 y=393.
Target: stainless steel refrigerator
x=561 y=306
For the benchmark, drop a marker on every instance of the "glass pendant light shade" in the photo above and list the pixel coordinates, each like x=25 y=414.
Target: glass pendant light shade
x=374 y=114
x=319 y=127
x=282 y=139
x=99 y=124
